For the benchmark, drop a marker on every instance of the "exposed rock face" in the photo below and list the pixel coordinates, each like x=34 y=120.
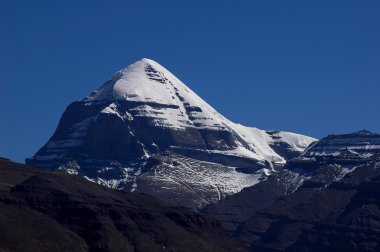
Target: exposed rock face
x=129 y=133
x=46 y=211
x=316 y=202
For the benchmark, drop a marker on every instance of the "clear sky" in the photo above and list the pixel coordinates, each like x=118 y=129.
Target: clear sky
x=311 y=67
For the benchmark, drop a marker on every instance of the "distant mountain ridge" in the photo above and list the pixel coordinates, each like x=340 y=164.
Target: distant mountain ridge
x=327 y=199
x=145 y=130
x=364 y=142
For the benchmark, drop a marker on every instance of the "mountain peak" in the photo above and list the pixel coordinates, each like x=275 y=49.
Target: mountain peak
x=141 y=81
x=147 y=61
x=141 y=65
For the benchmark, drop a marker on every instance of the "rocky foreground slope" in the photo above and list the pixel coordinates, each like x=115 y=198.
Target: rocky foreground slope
x=45 y=211
x=145 y=130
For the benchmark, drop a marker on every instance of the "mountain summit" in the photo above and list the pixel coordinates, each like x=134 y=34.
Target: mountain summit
x=145 y=130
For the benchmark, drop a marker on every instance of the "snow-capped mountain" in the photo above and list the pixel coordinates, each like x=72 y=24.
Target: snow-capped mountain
x=145 y=130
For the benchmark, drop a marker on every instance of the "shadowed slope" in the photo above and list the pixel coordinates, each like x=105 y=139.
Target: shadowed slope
x=44 y=211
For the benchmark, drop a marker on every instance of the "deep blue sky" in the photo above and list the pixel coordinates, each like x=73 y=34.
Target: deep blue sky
x=311 y=67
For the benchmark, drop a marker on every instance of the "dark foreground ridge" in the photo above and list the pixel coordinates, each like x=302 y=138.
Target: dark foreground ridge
x=45 y=211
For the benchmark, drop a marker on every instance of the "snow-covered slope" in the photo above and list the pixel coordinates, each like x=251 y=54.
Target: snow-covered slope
x=147 y=82
x=144 y=116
